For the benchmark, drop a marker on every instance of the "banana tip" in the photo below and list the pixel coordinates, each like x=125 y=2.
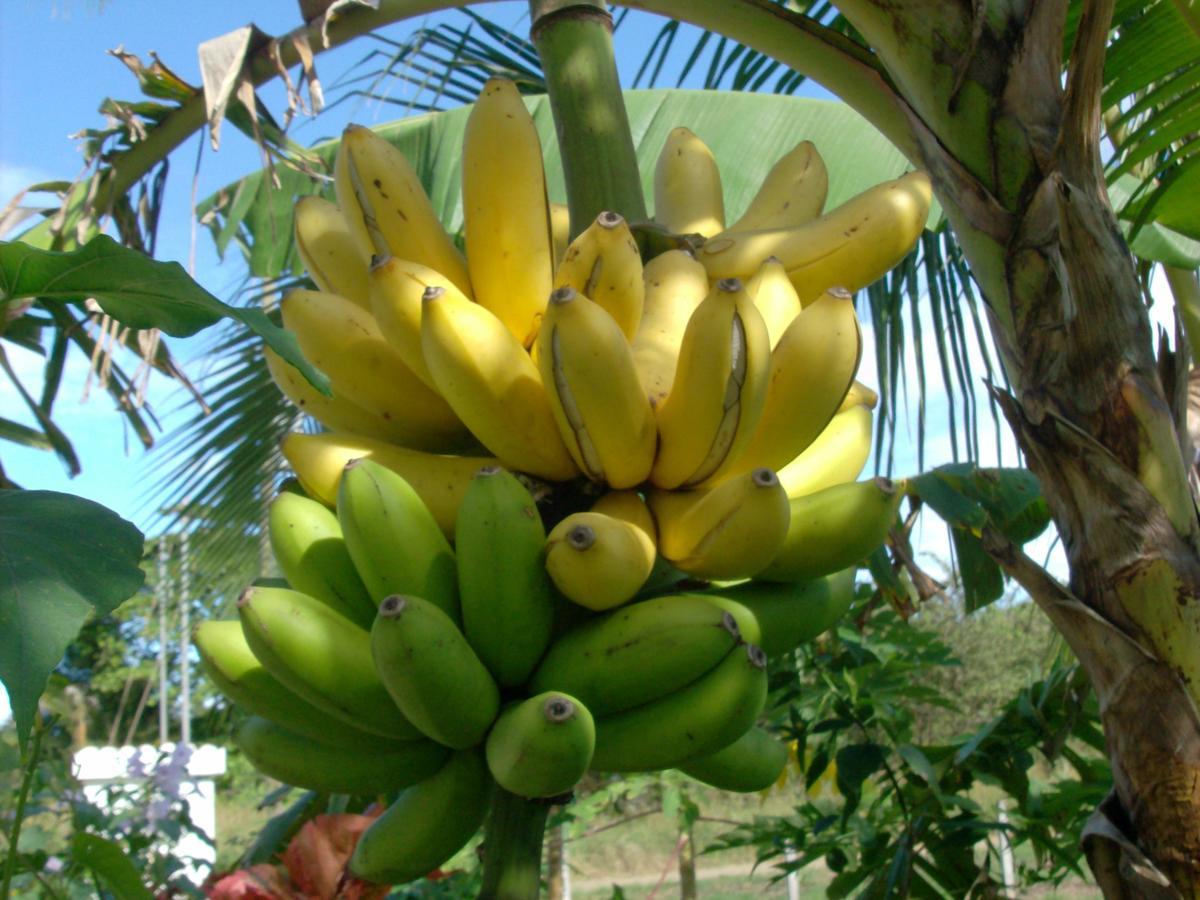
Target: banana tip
x=729 y=285
x=581 y=537
x=757 y=658
x=564 y=294
x=764 y=478
x=610 y=219
x=729 y=623
x=558 y=709
x=432 y=293
x=244 y=597
x=488 y=471
x=393 y=606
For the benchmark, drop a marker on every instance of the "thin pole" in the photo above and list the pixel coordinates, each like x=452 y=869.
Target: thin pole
x=162 y=596
x=185 y=639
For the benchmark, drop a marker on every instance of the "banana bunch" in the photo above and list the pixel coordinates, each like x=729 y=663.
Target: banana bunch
x=568 y=502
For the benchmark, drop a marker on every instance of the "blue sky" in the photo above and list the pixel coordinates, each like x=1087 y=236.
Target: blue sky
x=54 y=72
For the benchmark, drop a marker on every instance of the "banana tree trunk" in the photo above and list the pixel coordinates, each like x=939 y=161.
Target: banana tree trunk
x=973 y=94
x=1015 y=159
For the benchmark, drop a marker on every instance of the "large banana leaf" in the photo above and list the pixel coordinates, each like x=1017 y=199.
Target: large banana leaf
x=747 y=133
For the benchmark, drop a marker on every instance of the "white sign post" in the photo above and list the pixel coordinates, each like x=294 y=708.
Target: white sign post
x=178 y=770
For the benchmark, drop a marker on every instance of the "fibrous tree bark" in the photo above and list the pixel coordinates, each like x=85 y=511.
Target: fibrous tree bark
x=1014 y=153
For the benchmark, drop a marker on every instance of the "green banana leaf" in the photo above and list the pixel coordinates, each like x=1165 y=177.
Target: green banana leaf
x=746 y=132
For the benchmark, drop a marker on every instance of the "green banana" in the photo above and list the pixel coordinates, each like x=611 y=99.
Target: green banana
x=791 y=614
x=393 y=539
x=308 y=546
x=637 y=653
x=295 y=759
x=322 y=656
x=505 y=593
x=710 y=713
x=237 y=673
x=432 y=673
x=751 y=763
x=542 y=746
x=835 y=528
x=427 y=824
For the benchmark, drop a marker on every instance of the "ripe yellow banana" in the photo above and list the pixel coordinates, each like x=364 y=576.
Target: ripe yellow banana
x=792 y=193
x=598 y=403
x=334 y=258
x=335 y=413
x=628 y=506
x=344 y=341
x=775 y=297
x=507 y=219
x=811 y=369
x=730 y=531
x=319 y=461
x=492 y=384
x=687 y=186
x=675 y=284
x=838 y=454
x=859 y=395
x=719 y=389
x=396 y=288
x=835 y=528
x=850 y=246
x=560 y=230
x=598 y=561
x=387 y=207
x=604 y=264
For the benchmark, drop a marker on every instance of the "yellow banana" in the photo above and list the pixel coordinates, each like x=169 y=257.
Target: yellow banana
x=731 y=531
x=675 y=284
x=850 y=246
x=387 y=207
x=687 y=186
x=811 y=370
x=334 y=258
x=396 y=288
x=598 y=561
x=493 y=385
x=835 y=528
x=507 y=220
x=838 y=454
x=560 y=230
x=792 y=193
x=335 y=413
x=859 y=395
x=440 y=481
x=604 y=264
x=775 y=297
x=344 y=341
x=628 y=506
x=601 y=411
x=719 y=389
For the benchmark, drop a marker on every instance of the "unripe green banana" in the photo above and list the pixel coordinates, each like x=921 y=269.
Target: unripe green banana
x=311 y=552
x=237 y=673
x=427 y=824
x=319 y=461
x=710 y=713
x=332 y=255
x=638 y=653
x=687 y=186
x=747 y=622
x=597 y=560
x=365 y=770
x=322 y=656
x=719 y=389
x=730 y=531
x=507 y=601
x=601 y=410
x=542 y=746
x=393 y=539
x=835 y=528
x=791 y=614
x=432 y=673
x=751 y=763
x=603 y=263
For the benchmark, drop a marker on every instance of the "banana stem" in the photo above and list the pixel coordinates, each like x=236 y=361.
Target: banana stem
x=512 y=847
x=574 y=41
